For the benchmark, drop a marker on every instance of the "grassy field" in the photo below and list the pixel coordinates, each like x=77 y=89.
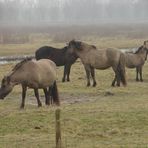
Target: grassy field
x=100 y=117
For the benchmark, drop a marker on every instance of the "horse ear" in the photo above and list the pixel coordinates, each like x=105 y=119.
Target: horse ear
x=144 y=44
x=78 y=45
x=6 y=80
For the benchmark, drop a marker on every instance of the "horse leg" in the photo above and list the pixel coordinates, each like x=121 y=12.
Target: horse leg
x=24 y=89
x=114 y=81
x=68 y=71
x=47 y=99
x=93 y=76
x=37 y=97
x=64 y=74
x=50 y=95
x=140 y=71
x=137 y=71
x=118 y=79
x=87 y=70
x=117 y=76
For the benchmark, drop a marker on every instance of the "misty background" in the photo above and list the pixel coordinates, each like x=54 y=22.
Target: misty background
x=72 y=11
x=47 y=21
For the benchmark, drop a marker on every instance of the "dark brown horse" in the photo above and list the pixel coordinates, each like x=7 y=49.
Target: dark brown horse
x=33 y=74
x=93 y=58
x=60 y=56
x=136 y=60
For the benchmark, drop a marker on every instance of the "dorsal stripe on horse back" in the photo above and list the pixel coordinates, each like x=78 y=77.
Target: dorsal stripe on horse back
x=18 y=65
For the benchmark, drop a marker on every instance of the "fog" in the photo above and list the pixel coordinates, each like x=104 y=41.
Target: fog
x=72 y=11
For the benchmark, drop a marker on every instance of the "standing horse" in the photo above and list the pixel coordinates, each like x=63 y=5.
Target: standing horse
x=33 y=74
x=60 y=56
x=137 y=60
x=93 y=58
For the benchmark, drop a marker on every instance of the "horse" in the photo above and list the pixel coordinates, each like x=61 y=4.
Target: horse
x=60 y=56
x=33 y=74
x=137 y=60
x=93 y=58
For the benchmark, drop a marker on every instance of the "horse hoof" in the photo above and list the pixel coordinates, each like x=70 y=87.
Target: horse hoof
x=112 y=85
x=94 y=85
x=137 y=80
x=88 y=84
x=63 y=80
x=22 y=107
x=47 y=103
x=39 y=105
x=141 y=80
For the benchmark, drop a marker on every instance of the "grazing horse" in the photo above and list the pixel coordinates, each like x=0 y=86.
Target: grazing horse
x=137 y=60
x=60 y=56
x=33 y=74
x=93 y=58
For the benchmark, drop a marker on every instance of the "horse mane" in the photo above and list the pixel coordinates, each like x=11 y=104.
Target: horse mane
x=64 y=48
x=88 y=45
x=93 y=46
x=18 y=65
x=139 y=49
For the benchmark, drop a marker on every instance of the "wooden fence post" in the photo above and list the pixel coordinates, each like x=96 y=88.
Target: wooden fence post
x=58 y=129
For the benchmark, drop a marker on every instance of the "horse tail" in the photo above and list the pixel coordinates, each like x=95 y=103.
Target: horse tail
x=121 y=69
x=55 y=94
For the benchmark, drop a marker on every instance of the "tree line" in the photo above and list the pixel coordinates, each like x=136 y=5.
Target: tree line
x=42 y=11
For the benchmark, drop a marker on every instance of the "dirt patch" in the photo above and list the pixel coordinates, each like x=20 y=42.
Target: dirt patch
x=65 y=98
x=72 y=99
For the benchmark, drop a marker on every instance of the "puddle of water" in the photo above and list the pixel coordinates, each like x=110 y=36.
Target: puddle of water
x=8 y=62
x=13 y=59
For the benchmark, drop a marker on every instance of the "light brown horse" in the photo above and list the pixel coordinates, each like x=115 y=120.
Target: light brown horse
x=33 y=74
x=137 y=60
x=93 y=58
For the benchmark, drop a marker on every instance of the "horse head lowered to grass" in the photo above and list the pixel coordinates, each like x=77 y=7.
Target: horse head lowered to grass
x=93 y=58
x=33 y=74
